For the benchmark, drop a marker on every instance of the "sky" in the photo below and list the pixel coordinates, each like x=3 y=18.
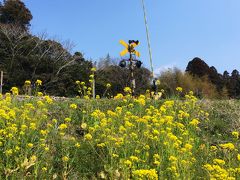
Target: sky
x=179 y=29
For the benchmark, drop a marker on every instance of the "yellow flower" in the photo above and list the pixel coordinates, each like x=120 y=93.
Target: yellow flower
x=73 y=106
x=128 y=163
x=86 y=97
x=40 y=94
x=27 y=83
x=48 y=99
x=134 y=158
x=62 y=126
x=40 y=103
x=238 y=157
x=219 y=161
x=14 y=90
x=77 y=145
x=44 y=132
x=118 y=96
x=146 y=147
x=102 y=175
x=213 y=148
x=150 y=174
x=188 y=146
x=179 y=89
x=127 y=90
x=156 y=156
x=30 y=145
x=23 y=127
x=194 y=122
x=67 y=119
x=83 y=125
x=54 y=121
x=235 y=134
x=38 y=82
x=108 y=85
x=115 y=155
x=88 y=136
x=77 y=82
x=208 y=167
x=65 y=159
x=101 y=145
x=156 y=162
x=172 y=158
x=44 y=169
x=9 y=152
x=229 y=146
x=33 y=158
x=83 y=83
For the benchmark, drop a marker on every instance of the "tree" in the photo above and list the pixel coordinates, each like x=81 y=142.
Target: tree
x=235 y=74
x=197 y=67
x=27 y=57
x=106 y=62
x=226 y=75
x=216 y=78
x=63 y=83
x=233 y=85
x=15 y=12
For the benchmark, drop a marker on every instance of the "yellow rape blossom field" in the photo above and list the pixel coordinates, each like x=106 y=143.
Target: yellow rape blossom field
x=118 y=138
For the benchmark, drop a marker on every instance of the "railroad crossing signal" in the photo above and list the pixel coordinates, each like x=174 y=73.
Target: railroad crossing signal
x=129 y=47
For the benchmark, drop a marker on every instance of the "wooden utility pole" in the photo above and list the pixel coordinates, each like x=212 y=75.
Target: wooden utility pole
x=1 y=85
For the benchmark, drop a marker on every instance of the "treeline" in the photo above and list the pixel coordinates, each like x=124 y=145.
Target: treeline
x=227 y=85
x=203 y=79
x=24 y=56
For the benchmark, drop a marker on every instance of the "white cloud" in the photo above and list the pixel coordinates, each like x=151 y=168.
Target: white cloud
x=160 y=69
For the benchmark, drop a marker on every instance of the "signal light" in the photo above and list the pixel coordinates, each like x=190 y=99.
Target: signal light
x=122 y=63
x=138 y=64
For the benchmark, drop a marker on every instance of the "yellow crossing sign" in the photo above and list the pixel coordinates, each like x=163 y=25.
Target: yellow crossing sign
x=129 y=48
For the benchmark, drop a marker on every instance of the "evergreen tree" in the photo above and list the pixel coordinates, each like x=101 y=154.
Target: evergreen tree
x=216 y=78
x=233 y=84
x=197 y=67
x=226 y=75
x=15 y=12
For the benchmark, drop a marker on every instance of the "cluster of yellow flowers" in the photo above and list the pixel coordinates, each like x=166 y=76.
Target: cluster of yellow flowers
x=28 y=136
x=85 y=91
x=162 y=138
x=140 y=139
